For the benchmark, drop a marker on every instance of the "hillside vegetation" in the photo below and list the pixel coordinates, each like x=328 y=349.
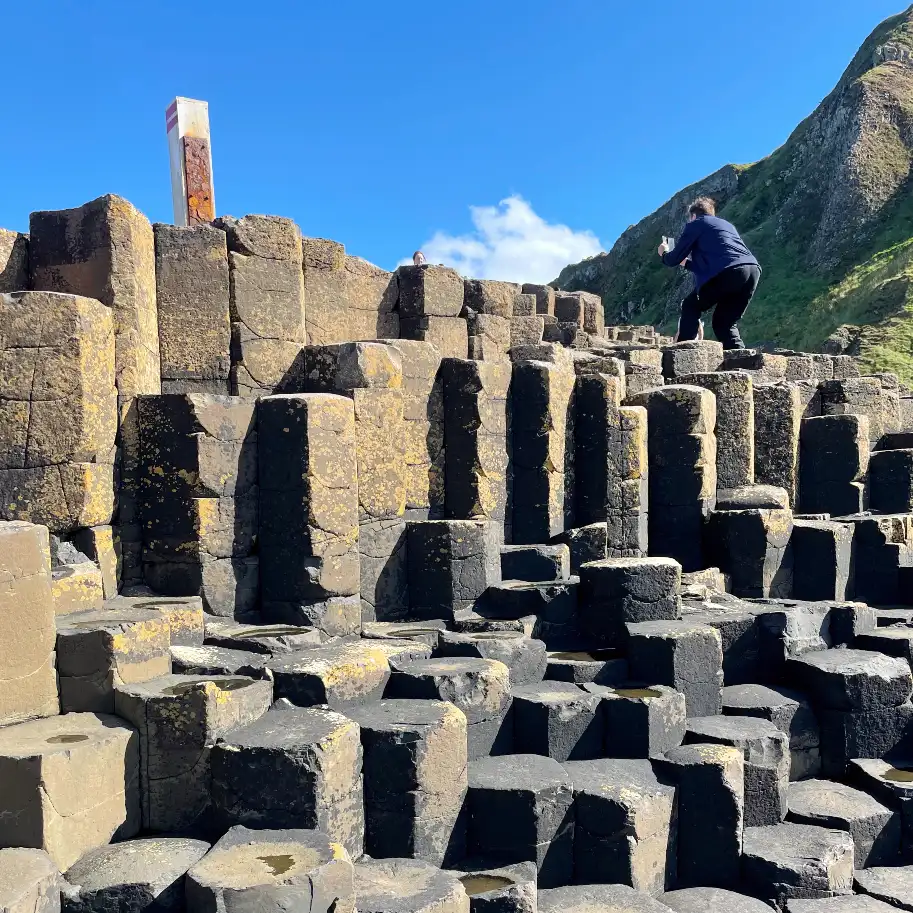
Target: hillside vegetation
x=829 y=215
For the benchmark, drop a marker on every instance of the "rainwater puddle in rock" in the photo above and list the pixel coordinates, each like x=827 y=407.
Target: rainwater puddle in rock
x=225 y=684
x=278 y=865
x=482 y=884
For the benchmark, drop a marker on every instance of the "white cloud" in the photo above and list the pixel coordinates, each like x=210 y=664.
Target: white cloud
x=511 y=242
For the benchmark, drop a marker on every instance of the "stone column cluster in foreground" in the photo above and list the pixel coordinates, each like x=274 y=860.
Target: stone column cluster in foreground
x=324 y=589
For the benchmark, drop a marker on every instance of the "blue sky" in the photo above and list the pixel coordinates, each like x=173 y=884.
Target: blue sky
x=382 y=124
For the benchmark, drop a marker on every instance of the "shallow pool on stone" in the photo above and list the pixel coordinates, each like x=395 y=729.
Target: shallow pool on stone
x=638 y=692
x=411 y=632
x=66 y=739
x=278 y=865
x=482 y=884
x=595 y=656
x=225 y=684
x=899 y=775
x=267 y=632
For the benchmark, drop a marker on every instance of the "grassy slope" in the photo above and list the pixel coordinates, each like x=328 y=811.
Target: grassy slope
x=796 y=306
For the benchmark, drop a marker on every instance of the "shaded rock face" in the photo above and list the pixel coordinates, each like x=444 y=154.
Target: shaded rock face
x=820 y=204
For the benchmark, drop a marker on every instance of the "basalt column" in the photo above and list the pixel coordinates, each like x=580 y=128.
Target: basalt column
x=371 y=375
x=682 y=453
x=542 y=439
x=105 y=250
x=309 y=510
x=199 y=499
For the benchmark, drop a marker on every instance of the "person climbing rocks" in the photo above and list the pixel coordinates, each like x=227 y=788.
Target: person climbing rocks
x=726 y=273
x=418 y=258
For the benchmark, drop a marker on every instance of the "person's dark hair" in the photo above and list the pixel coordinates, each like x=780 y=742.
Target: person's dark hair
x=702 y=206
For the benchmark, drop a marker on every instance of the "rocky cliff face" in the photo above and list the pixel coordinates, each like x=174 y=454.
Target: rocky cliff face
x=829 y=214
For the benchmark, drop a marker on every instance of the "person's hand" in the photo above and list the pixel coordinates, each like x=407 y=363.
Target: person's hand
x=663 y=249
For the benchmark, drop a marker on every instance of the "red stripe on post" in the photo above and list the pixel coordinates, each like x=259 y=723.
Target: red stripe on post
x=171 y=110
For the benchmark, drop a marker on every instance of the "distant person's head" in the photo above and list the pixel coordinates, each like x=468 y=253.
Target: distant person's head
x=702 y=206
x=418 y=258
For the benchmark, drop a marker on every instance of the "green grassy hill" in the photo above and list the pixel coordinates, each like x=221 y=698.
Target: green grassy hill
x=829 y=215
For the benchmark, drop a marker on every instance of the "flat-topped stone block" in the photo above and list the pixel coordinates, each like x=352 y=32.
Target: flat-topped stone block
x=273 y=639
x=415 y=776
x=854 y=680
x=753 y=546
x=185 y=615
x=479 y=687
x=29 y=882
x=822 y=552
x=892 y=885
x=711 y=812
x=598 y=898
x=896 y=641
x=618 y=591
x=339 y=674
x=520 y=809
x=407 y=886
x=683 y=655
x=273 y=869
x=641 y=721
x=797 y=861
x=133 y=875
x=625 y=824
x=535 y=562
x=525 y=657
x=753 y=497
x=293 y=768
x=848 y=903
x=850 y=735
x=28 y=685
x=875 y=829
x=219 y=661
x=68 y=784
x=711 y=900
x=451 y=564
x=101 y=649
x=558 y=720
x=494 y=888
x=790 y=712
x=179 y=718
x=601 y=666
x=425 y=631
x=766 y=752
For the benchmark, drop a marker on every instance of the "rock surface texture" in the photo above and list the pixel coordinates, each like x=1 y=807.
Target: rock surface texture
x=303 y=609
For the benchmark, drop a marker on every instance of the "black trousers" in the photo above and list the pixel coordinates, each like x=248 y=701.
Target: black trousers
x=729 y=293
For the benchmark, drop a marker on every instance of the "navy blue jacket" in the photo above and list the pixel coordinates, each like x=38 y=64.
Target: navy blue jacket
x=714 y=245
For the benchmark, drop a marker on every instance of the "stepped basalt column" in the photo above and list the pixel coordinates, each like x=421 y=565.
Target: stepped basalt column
x=28 y=684
x=611 y=464
x=682 y=458
x=105 y=250
x=193 y=294
x=423 y=429
x=58 y=410
x=778 y=412
x=308 y=474
x=199 y=499
x=475 y=432
x=734 y=425
x=347 y=299
x=430 y=304
x=371 y=375
x=267 y=303
x=542 y=438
